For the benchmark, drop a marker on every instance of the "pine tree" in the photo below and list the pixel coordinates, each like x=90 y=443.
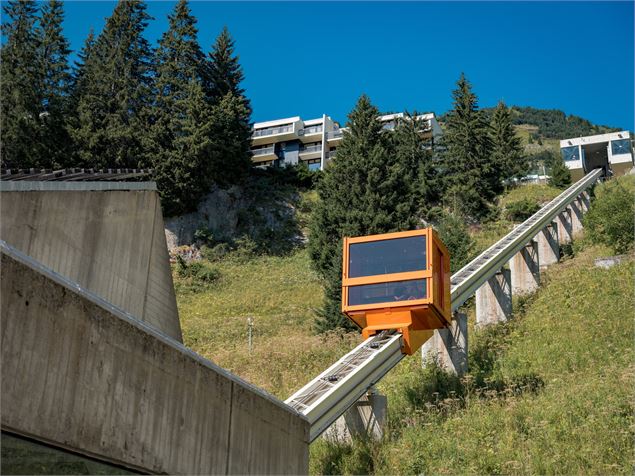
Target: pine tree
x=507 y=153
x=559 y=173
x=20 y=87
x=56 y=81
x=363 y=191
x=115 y=93
x=470 y=180
x=231 y=161
x=181 y=135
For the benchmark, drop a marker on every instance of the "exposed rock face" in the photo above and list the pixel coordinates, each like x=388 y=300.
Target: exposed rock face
x=268 y=219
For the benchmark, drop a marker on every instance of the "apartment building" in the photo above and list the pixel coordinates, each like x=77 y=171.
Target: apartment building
x=293 y=140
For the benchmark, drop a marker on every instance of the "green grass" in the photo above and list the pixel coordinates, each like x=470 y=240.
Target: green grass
x=280 y=293
x=535 y=192
x=556 y=391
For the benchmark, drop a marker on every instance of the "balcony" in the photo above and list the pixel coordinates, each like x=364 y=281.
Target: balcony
x=311 y=151
x=334 y=137
x=269 y=134
x=264 y=154
x=311 y=133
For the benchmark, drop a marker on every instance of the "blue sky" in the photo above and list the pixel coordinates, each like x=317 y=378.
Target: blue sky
x=309 y=58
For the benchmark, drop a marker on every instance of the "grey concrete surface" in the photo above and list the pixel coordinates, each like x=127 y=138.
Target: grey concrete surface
x=109 y=241
x=576 y=218
x=525 y=270
x=365 y=419
x=448 y=347
x=548 y=245
x=83 y=375
x=494 y=299
x=565 y=230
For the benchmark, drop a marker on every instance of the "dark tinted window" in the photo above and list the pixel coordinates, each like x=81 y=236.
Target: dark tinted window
x=387 y=292
x=570 y=153
x=388 y=256
x=619 y=147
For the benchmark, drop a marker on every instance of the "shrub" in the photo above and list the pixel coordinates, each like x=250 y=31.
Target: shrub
x=609 y=221
x=196 y=270
x=521 y=210
x=454 y=234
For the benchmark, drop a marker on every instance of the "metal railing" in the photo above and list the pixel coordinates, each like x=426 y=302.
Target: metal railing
x=312 y=130
x=311 y=148
x=263 y=151
x=271 y=131
x=334 y=134
x=331 y=393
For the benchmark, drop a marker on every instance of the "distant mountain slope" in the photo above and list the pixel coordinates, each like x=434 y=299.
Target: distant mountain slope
x=552 y=123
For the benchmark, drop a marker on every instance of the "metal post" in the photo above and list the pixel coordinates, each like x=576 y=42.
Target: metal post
x=250 y=327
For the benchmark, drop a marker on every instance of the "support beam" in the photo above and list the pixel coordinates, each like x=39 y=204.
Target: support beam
x=585 y=201
x=548 y=245
x=449 y=346
x=365 y=419
x=576 y=218
x=494 y=299
x=565 y=231
x=525 y=270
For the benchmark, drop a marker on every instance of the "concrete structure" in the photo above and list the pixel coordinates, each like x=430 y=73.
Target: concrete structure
x=494 y=299
x=613 y=152
x=108 y=237
x=525 y=270
x=576 y=213
x=565 y=227
x=365 y=419
x=548 y=245
x=81 y=374
x=448 y=347
x=292 y=140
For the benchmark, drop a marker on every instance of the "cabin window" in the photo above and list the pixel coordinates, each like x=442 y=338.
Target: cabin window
x=619 y=147
x=396 y=291
x=570 y=153
x=398 y=255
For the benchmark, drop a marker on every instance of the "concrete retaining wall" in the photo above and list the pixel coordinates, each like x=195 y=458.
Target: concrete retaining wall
x=109 y=241
x=80 y=374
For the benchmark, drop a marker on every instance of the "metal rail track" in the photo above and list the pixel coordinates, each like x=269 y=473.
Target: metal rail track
x=331 y=393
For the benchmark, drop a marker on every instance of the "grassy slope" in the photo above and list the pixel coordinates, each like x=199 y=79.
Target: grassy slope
x=557 y=396
x=280 y=293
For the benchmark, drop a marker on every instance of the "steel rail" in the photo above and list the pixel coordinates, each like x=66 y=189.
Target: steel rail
x=468 y=279
x=335 y=390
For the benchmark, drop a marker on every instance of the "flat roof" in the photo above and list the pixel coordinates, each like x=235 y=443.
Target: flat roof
x=595 y=139
x=276 y=122
x=72 y=175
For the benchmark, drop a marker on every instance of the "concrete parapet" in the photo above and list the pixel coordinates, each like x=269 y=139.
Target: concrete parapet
x=365 y=419
x=548 y=245
x=494 y=299
x=81 y=374
x=109 y=241
x=448 y=347
x=525 y=270
x=565 y=230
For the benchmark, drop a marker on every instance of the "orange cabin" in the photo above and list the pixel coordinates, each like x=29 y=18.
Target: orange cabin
x=397 y=281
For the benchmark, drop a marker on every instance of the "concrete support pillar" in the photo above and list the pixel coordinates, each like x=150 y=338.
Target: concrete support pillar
x=494 y=299
x=365 y=419
x=525 y=270
x=449 y=346
x=565 y=232
x=548 y=245
x=585 y=201
x=576 y=218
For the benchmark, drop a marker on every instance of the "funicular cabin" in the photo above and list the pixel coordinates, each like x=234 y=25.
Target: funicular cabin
x=613 y=152
x=397 y=281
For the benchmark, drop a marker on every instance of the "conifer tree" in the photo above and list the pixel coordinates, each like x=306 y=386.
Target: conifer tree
x=56 y=81
x=115 y=92
x=507 y=153
x=231 y=160
x=470 y=180
x=20 y=87
x=559 y=173
x=181 y=135
x=363 y=191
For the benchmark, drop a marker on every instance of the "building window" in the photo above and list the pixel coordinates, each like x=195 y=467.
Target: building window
x=570 y=153
x=314 y=164
x=619 y=147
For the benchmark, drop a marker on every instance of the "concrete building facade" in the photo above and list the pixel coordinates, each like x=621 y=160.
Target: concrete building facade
x=291 y=140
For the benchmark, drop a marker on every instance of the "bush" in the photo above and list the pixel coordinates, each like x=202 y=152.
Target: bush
x=609 y=221
x=454 y=234
x=521 y=210
x=216 y=252
x=196 y=270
